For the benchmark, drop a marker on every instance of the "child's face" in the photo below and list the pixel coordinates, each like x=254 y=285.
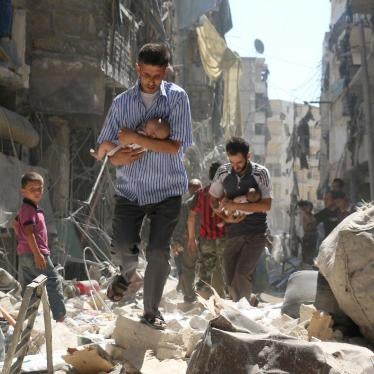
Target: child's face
x=154 y=130
x=33 y=191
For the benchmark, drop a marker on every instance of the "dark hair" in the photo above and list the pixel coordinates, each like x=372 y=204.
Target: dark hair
x=305 y=203
x=339 y=181
x=213 y=169
x=31 y=176
x=338 y=195
x=154 y=54
x=194 y=182
x=237 y=145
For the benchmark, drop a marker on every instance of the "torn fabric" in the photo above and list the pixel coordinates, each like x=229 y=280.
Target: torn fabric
x=218 y=59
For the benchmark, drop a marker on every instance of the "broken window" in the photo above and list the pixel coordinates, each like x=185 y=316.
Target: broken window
x=259 y=129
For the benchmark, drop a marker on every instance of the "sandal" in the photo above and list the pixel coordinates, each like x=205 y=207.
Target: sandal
x=117 y=288
x=254 y=300
x=155 y=322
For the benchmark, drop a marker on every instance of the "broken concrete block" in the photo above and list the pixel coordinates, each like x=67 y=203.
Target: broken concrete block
x=174 y=325
x=169 y=351
x=133 y=356
x=198 y=323
x=152 y=365
x=320 y=326
x=222 y=352
x=131 y=334
x=190 y=339
x=299 y=332
x=306 y=312
x=284 y=323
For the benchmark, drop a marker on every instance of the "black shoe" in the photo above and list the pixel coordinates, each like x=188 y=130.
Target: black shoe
x=156 y=322
x=117 y=288
x=190 y=299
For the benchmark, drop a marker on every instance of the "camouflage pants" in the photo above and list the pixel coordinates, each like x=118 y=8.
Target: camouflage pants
x=210 y=269
x=187 y=263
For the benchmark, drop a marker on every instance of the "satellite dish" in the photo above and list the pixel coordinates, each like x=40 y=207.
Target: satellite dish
x=259 y=46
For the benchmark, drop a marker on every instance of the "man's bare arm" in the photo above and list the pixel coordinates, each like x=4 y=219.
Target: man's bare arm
x=263 y=205
x=191 y=230
x=127 y=136
x=126 y=156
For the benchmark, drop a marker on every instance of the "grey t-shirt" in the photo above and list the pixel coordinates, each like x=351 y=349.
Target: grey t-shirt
x=148 y=98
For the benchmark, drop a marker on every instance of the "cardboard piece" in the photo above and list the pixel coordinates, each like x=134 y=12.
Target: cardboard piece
x=319 y=326
x=87 y=361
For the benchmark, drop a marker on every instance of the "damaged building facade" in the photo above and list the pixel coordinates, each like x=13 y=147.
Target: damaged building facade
x=292 y=179
x=61 y=64
x=254 y=105
x=198 y=60
x=347 y=99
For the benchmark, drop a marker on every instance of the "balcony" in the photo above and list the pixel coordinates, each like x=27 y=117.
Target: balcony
x=14 y=73
x=362 y=6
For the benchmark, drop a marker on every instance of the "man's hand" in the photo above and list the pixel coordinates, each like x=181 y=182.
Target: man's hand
x=127 y=136
x=234 y=218
x=176 y=249
x=40 y=261
x=126 y=156
x=191 y=246
x=227 y=205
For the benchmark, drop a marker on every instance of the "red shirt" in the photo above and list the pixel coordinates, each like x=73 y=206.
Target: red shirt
x=30 y=214
x=209 y=220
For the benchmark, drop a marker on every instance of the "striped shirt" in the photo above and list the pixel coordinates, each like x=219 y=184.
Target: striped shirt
x=209 y=221
x=155 y=176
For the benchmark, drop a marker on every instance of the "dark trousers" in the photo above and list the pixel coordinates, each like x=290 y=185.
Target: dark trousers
x=240 y=257
x=28 y=272
x=127 y=222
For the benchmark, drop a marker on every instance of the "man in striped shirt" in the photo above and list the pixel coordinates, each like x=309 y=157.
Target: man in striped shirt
x=247 y=236
x=148 y=183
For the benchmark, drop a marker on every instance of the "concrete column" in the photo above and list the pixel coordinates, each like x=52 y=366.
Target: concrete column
x=57 y=160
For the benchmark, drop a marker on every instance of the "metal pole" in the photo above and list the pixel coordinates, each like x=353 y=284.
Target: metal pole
x=367 y=109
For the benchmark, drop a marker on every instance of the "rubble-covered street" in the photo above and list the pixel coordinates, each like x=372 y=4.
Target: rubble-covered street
x=187 y=186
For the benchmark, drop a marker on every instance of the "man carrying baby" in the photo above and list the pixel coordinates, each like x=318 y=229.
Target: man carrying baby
x=156 y=128
x=148 y=183
x=246 y=233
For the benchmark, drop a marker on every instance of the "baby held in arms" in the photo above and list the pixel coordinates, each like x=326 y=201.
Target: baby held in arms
x=155 y=128
x=252 y=196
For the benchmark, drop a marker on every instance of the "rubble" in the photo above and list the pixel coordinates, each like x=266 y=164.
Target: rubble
x=346 y=260
x=223 y=350
x=193 y=330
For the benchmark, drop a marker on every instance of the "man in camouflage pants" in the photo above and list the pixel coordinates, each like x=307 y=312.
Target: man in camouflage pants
x=211 y=241
x=184 y=260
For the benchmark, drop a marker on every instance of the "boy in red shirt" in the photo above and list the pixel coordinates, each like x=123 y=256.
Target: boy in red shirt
x=32 y=248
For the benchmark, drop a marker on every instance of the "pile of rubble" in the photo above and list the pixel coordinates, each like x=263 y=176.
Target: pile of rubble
x=213 y=335
x=300 y=334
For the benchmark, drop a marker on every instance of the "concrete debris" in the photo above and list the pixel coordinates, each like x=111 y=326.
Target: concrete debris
x=306 y=312
x=190 y=338
x=224 y=351
x=129 y=333
x=192 y=329
x=198 y=323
